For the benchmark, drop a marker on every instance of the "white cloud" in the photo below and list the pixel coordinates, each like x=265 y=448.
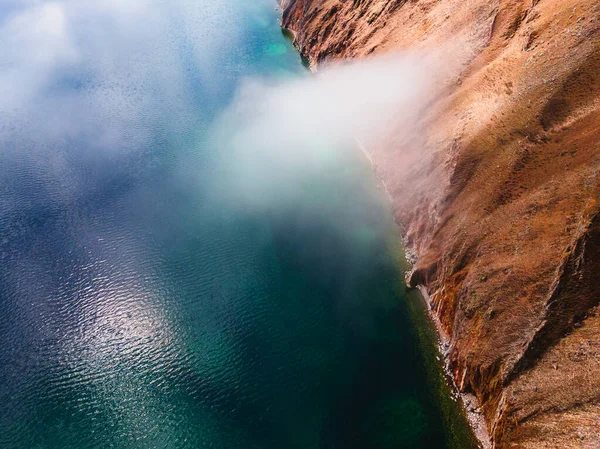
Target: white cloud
x=105 y=64
x=83 y=79
x=35 y=42
x=279 y=134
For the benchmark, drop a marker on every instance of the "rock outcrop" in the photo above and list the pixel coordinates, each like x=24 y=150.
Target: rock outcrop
x=502 y=211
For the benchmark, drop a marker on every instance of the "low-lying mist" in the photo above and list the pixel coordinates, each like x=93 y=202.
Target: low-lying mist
x=290 y=160
x=280 y=133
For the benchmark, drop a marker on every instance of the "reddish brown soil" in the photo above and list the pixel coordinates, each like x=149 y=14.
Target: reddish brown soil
x=502 y=211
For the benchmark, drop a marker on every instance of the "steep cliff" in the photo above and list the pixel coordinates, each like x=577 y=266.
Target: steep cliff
x=502 y=210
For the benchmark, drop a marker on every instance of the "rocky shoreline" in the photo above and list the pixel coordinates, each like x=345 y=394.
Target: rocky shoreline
x=468 y=401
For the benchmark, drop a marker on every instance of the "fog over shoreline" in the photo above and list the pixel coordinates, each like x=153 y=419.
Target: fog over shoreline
x=277 y=130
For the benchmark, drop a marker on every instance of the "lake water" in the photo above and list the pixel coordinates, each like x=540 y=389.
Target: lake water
x=144 y=303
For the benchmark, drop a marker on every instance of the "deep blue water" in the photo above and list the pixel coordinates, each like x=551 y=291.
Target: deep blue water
x=143 y=304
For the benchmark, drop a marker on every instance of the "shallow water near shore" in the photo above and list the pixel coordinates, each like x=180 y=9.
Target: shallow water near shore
x=143 y=307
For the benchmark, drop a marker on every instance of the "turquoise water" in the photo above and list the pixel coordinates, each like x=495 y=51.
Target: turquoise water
x=144 y=304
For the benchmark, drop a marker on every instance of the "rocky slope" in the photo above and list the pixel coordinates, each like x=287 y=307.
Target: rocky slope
x=502 y=211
